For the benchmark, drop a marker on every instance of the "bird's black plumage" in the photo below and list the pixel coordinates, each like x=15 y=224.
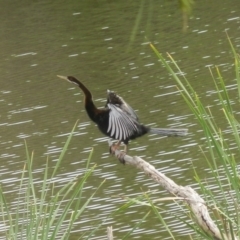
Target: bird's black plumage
x=118 y=120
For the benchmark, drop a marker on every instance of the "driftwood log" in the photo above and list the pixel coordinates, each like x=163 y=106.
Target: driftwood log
x=187 y=194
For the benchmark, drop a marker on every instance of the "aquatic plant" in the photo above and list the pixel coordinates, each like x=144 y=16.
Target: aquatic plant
x=44 y=209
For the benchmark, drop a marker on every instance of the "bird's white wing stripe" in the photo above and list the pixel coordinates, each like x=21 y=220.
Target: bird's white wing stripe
x=118 y=130
x=117 y=124
x=129 y=129
x=110 y=125
x=123 y=127
x=128 y=126
x=120 y=124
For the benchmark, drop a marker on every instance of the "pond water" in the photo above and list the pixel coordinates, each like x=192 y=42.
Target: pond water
x=105 y=45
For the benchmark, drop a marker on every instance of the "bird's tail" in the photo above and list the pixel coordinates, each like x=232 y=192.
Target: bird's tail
x=169 y=131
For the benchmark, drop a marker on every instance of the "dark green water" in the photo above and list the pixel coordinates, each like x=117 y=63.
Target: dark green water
x=105 y=44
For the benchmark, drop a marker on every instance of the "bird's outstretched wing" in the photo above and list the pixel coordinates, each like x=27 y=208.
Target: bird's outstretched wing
x=121 y=125
x=118 y=101
x=128 y=109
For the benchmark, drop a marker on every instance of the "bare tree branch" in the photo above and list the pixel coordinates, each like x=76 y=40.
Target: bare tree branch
x=187 y=194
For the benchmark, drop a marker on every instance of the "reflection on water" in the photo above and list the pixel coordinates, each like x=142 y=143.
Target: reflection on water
x=93 y=41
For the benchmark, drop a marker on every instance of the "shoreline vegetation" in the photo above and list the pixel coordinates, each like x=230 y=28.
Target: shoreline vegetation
x=40 y=214
x=42 y=209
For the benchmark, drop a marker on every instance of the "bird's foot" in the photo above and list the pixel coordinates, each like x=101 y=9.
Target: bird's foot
x=113 y=148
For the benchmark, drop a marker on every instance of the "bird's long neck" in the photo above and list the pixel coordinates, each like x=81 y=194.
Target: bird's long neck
x=88 y=101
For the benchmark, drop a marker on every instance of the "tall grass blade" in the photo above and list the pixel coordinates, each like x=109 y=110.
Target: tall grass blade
x=43 y=209
x=137 y=225
x=237 y=65
x=64 y=150
x=219 y=157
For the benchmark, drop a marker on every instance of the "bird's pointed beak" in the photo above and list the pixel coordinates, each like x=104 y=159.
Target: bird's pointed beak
x=63 y=77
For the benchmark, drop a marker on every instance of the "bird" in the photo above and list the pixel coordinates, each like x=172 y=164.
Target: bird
x=117 y=119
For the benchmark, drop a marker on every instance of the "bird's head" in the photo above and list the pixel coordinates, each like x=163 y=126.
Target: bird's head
x=69 y=79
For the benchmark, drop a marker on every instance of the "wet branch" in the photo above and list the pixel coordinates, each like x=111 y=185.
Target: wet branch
x=187 y=194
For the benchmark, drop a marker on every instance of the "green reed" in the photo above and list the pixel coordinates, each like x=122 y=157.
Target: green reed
x=43 y=210
x=217 y=151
